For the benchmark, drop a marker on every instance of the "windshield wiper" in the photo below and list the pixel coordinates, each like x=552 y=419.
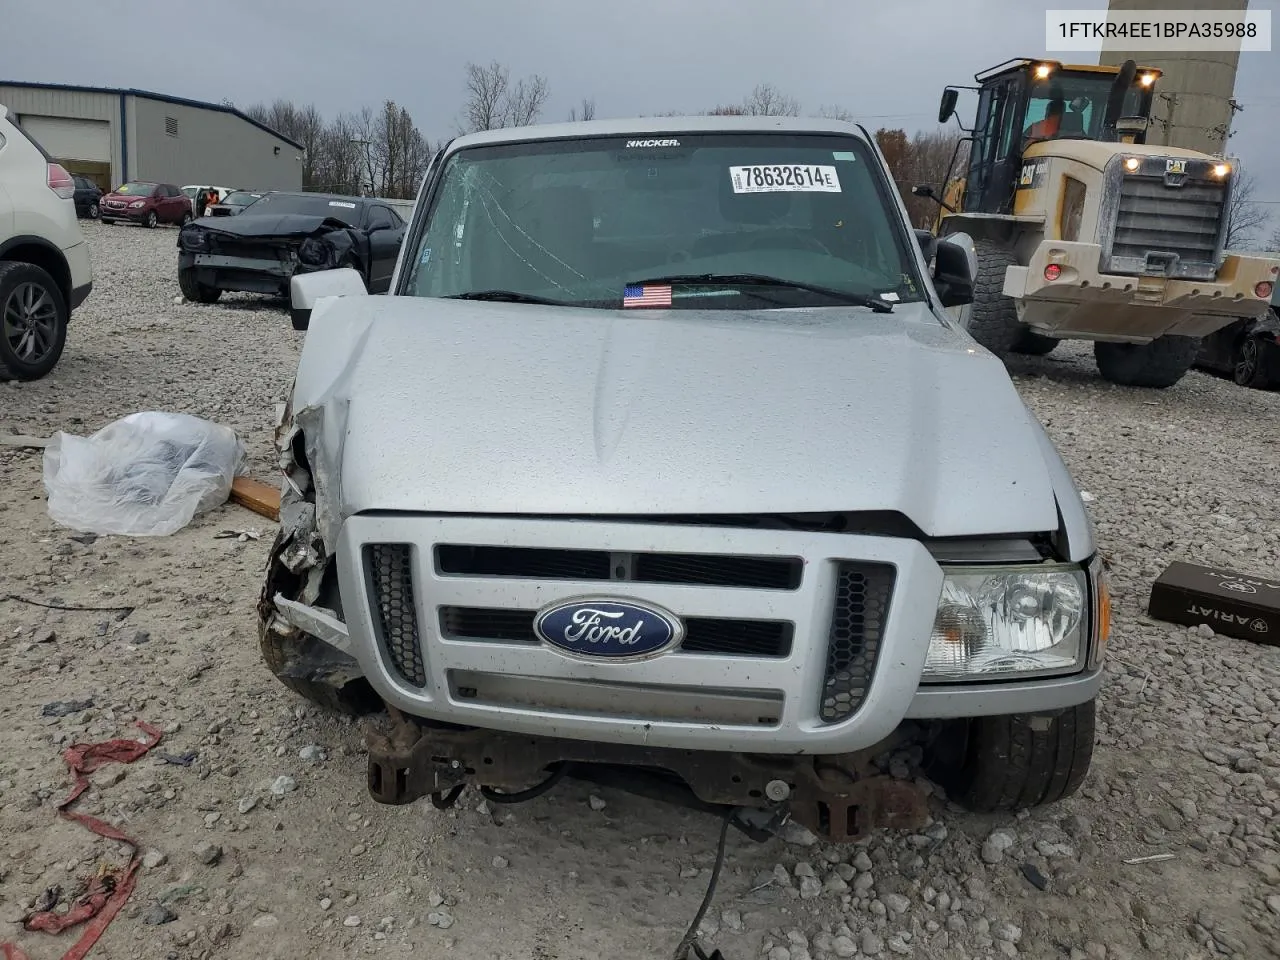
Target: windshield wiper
x=761 y=280
x=508 y=296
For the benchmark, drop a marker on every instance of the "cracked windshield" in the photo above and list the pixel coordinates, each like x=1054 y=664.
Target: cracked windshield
x=710 y=221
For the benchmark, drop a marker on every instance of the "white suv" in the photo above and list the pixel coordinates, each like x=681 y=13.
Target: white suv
x=44 y=260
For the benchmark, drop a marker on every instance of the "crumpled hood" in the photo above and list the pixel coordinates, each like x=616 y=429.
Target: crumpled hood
x=466 y=407
x=266 y=225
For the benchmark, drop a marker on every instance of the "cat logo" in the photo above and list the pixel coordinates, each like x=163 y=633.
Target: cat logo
x=1175 y=166
x=1259 y=626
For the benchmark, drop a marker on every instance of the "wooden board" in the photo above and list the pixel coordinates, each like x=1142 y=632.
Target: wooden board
x=256 y=496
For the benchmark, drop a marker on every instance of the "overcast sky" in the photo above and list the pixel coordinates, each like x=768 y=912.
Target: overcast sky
x=886 y=62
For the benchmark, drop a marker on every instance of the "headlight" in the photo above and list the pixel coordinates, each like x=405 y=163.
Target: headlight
x=315 y=252
x=138 y=203
x=196 y=239
x=1001 y=622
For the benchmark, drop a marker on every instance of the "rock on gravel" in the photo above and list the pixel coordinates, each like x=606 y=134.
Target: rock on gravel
x=208 y=853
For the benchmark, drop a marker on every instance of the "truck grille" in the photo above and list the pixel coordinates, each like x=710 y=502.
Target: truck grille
x=761 y=573
x=857 y=623
x=390 y=567
x=1153 y=217
x=707 y=635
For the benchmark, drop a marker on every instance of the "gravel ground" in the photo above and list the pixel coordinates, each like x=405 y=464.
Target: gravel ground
x=268 y=844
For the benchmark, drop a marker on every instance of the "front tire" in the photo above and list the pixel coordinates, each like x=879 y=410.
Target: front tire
x=186 y=218
x=93 y=211
x=1011 y=763
x=33 y=321
x=1248 y=370
x=193 y=290
x=150 y=220
x=993 y=319
x=1158 y=364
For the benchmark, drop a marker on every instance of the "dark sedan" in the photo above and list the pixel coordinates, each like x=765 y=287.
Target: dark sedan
x=260 y=249
x=86 y=198
x=1248 y=350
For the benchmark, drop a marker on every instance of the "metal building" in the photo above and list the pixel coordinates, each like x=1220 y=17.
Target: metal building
x=112 y=135
x=1193 y=105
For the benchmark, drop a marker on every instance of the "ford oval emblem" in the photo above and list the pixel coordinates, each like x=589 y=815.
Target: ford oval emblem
x=603 y=628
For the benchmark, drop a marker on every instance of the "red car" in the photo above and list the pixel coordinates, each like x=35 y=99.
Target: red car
x=140 y=201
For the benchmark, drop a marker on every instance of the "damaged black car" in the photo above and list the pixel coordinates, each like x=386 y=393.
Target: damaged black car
x=259 y=250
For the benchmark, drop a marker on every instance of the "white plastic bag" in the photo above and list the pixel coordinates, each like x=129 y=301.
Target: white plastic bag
x=145 y=475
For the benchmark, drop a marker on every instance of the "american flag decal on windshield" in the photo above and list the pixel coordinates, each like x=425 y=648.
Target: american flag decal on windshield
x=638 y=296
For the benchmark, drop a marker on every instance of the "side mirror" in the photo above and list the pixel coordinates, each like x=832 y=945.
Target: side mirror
x=928 y=244
x=953 y=274
x=947 y=108
x=1132 y=125
x=305 y=289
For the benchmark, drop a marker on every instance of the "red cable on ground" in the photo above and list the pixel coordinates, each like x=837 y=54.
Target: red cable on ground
x=107 y=892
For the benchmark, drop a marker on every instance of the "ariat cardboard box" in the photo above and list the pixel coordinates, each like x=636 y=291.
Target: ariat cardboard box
x=1234 y=604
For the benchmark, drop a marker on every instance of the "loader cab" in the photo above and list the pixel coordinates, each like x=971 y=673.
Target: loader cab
x=1023 y=102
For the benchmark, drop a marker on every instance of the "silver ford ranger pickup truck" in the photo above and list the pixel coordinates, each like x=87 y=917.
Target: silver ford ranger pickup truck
x=664 y=460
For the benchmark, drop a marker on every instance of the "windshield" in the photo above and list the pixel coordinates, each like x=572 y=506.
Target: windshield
x=318 y=205
x=136 y=189
x=579 y=221
x=241 y=198
x=1081 y=100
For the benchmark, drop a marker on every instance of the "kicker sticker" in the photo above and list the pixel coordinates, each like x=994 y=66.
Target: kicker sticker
x=342 y=203
x=785 y=178
x=652 y=143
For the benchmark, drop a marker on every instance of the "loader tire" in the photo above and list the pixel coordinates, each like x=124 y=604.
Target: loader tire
x=993 y=318
x=1158 y=364
x=1032 y=344
x=1010 y=763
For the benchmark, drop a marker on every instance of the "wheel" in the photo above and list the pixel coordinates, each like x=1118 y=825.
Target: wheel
x=1248 y=370
x=1158 y=364
x=150 y=220
x=307 y=666
x=1033 y=344
x=93 y=211
x=186 y=218
x=193 y=290
x=1009 y=763
x=33 y=321
x=993 y=319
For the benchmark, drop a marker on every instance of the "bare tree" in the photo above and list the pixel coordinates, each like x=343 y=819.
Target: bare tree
x=1275 y=241
x=494 y=102
x=835 y=113
x=486 y=91
x=930 y=162
x=586 y=112
x=301 y=123
x=525 y=102
x=1245 y=216
x=766 y=100
x=726 y=111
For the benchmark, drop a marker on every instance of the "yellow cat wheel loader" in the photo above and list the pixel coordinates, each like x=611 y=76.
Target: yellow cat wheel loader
x=1080 y=230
